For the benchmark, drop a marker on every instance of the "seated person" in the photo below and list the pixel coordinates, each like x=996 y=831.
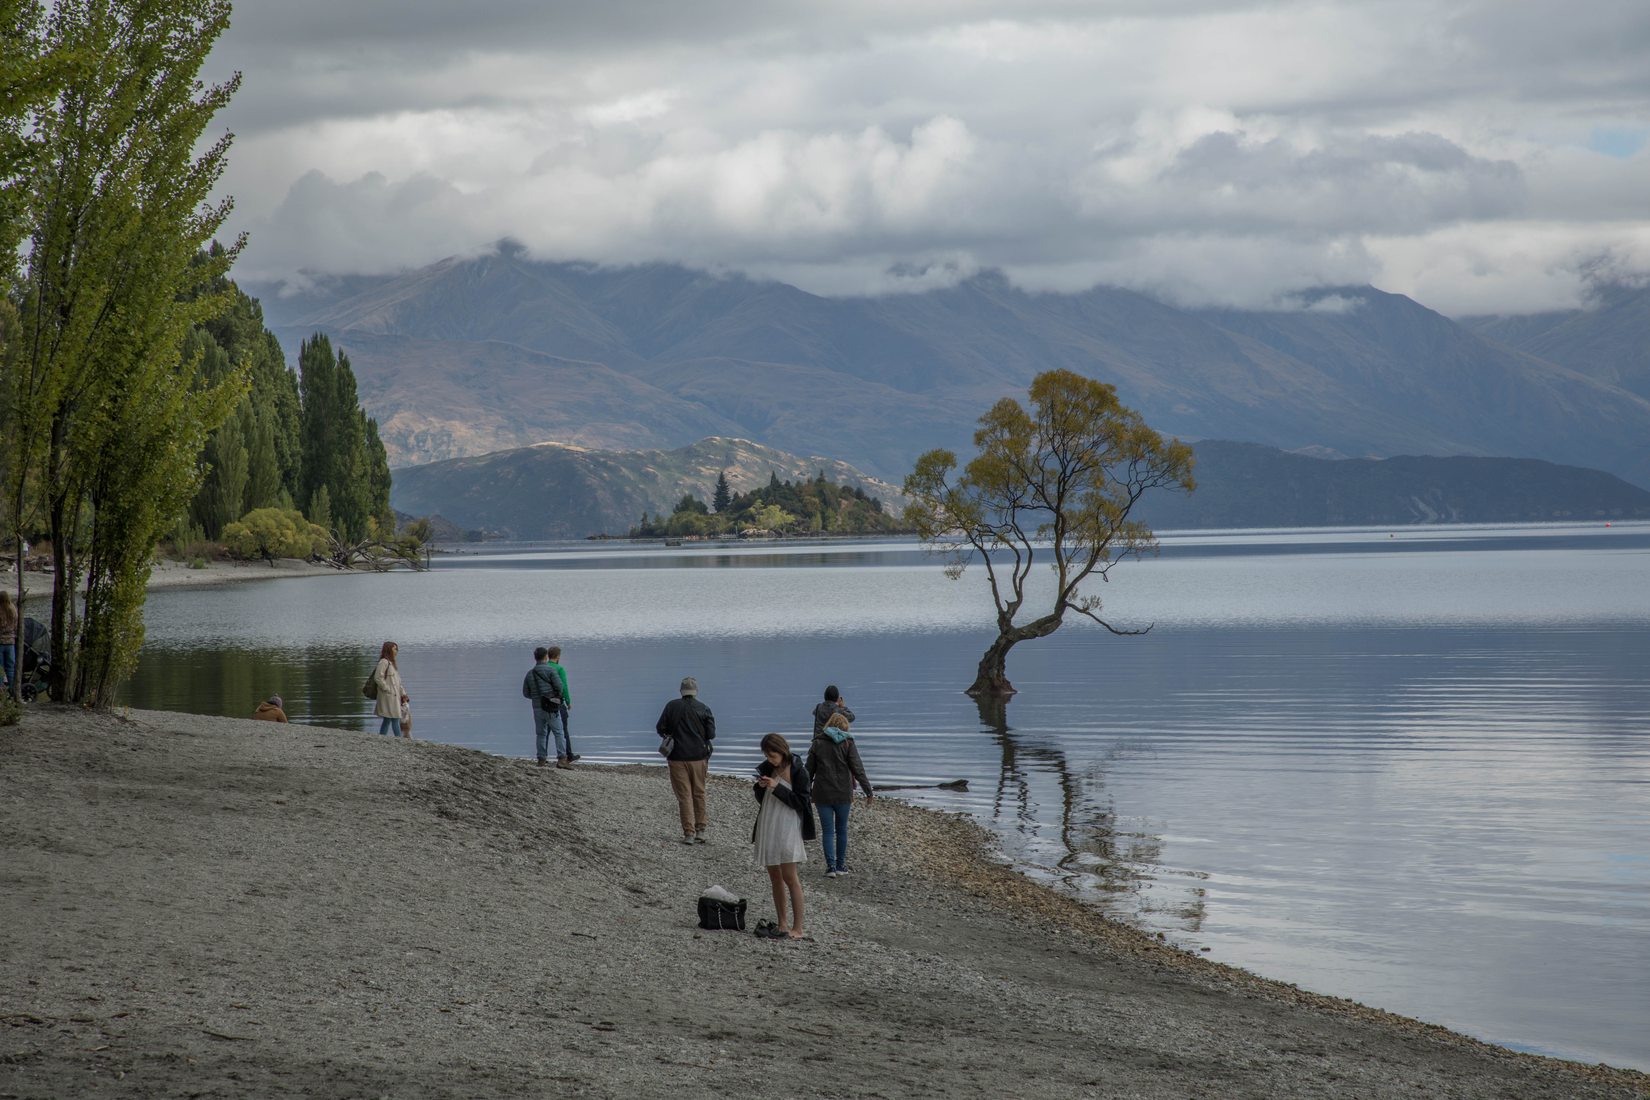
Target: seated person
x=270 y=710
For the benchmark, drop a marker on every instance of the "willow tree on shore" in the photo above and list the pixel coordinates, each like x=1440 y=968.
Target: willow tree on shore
x=111 y=411
x=1057 y=484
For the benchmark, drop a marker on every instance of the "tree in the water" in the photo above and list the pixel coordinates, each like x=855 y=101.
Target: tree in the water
x=1057 y=484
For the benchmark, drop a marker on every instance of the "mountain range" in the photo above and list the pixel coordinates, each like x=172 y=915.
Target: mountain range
x=479 y=354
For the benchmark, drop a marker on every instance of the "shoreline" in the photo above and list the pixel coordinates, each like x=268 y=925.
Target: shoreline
x=168 y=575
x=213 y=904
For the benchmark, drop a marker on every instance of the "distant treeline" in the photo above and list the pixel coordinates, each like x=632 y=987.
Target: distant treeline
x=294 y=441
x=819 y=506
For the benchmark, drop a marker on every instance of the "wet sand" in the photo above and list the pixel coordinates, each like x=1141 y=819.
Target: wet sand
x=210 y=906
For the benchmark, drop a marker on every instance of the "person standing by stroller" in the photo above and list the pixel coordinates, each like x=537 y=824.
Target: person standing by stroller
x=391 y=695
x=834 y=767
x=8 y=642
x=784 y=821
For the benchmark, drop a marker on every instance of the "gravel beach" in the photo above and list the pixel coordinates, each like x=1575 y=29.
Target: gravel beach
x=200 y=906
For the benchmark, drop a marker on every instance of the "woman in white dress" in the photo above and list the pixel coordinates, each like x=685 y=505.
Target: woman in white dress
x=784 y=821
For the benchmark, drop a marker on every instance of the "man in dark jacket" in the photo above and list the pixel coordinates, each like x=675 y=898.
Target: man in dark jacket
x=542 y=688
x=833 y=704
x=690 y=728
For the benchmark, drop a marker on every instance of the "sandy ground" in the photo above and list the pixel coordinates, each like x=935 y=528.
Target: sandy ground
x=174 y=574
x=206 y=906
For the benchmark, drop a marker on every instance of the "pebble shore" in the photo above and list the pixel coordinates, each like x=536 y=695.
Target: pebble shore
x=206 y=906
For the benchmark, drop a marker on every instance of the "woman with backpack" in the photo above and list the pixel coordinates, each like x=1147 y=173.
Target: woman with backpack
x=391 y=697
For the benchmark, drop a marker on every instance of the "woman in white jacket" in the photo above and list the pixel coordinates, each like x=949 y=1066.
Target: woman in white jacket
x=391 y=695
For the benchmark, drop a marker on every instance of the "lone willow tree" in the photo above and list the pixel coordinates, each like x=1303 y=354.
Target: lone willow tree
x=1056 y=484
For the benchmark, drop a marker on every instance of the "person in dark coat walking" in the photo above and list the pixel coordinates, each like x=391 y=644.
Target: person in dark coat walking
x=690 y=727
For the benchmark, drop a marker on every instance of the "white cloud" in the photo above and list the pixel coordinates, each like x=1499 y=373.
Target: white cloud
x=1223 y=152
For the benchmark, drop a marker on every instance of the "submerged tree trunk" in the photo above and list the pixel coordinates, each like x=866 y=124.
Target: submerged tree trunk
x=991 y=680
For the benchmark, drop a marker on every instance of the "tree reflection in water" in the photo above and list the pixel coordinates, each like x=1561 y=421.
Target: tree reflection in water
x=1120 y=872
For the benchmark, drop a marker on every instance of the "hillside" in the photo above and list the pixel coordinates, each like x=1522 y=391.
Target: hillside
x=555 y=491
x=1609 y=342
x=1245 y=485
x=658 y=355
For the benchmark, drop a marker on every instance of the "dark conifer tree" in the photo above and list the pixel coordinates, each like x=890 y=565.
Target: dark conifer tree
x=723 y=493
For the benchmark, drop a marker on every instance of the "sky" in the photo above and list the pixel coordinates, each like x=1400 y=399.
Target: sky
x=1481 y=156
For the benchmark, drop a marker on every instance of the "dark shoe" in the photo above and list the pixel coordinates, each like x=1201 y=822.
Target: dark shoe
x=842 y=870
x=564 y=763
x=543 y=761
x=575 y=756
x=763 y=928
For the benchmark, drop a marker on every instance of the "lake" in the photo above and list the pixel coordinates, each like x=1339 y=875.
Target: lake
x=1408 y=767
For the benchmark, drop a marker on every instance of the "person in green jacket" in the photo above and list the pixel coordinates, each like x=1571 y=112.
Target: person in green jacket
x=564 y=746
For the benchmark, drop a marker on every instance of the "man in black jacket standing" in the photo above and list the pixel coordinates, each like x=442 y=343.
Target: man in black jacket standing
x=688 y=727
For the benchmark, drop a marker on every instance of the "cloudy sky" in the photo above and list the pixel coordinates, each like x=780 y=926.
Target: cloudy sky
x=1480 y=155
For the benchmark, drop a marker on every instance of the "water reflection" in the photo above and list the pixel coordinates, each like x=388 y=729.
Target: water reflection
x=1092 y=857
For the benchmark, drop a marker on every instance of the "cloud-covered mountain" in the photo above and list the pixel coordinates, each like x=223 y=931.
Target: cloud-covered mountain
x=1609 y=342
x=478 y=354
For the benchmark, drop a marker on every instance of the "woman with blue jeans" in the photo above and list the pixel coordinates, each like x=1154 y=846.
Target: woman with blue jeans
x=834 y=766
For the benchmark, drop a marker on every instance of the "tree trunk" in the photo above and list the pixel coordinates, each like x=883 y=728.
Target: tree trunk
x=992 y=678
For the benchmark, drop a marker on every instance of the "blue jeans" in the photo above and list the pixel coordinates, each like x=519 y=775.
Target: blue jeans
x=8 y=662
x=390 y=726
x=546 y=723
x=833 y=833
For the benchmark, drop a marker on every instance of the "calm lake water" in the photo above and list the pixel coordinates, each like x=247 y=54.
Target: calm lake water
x=1410 y=768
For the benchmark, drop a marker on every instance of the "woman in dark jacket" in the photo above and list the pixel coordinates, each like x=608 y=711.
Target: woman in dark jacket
x=784 y=821
x=833 y=765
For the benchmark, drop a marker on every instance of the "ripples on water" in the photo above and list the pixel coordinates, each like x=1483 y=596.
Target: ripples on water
x=1411 y=770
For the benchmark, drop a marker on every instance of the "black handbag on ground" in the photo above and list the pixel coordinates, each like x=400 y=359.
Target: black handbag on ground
x=722 y=916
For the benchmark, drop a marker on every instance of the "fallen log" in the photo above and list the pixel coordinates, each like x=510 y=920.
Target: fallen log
x=954 y=785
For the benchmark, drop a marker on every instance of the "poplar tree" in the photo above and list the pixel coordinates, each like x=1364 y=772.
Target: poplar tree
x=29 y=76
x=116 y=412
x=342 y=452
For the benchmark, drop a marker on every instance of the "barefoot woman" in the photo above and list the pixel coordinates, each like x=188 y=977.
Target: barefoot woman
x=784 y=821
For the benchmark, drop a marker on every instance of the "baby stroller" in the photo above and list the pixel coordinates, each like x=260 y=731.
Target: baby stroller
x=34 y=665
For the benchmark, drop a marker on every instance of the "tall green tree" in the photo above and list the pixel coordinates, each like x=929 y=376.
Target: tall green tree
x=342 y=452
x=724 y=495
x=1055 y=484
x=118 y=219
x=30 y=75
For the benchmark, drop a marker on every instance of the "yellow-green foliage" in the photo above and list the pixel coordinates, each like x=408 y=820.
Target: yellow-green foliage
x=270 y=533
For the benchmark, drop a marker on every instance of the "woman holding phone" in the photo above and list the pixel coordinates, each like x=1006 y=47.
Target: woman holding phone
x=784 y=821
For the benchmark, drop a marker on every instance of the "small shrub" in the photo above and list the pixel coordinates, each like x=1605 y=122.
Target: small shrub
x=197 y=563
x=10 y=712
